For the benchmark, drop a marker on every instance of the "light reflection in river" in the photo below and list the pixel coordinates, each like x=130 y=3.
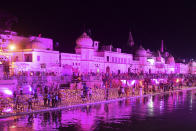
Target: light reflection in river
x=126 y=114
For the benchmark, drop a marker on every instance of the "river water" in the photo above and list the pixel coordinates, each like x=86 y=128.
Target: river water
x=165 y=112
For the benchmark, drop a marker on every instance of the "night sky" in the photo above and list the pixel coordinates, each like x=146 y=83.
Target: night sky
x=110 y=22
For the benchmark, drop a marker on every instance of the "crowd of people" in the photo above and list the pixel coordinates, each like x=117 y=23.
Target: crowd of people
x=142 y=84
x=50 y=94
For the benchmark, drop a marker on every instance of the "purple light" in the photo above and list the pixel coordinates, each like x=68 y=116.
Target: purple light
x=123 y=81
x=30 y=89
x=7 y=110
x=132 y=82
x=177 y=80
x=156 y=81
x=151 y=61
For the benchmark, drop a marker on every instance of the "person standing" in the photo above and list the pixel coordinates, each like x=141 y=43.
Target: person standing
x=85 y=90
x=53 y=100
x=82 y=95
x=49 y=99
x=45 y=89
x=30 y=104
x=119 y=91
x=127 y=90
x=59 y=96
x=21 y=90
x=45 y=99
x=56 y=100
x=107 y=93
x=122 y=90
x=35 y=98
x=141 y=90
x=14 y=97
x=90 y=93
x=133 y=90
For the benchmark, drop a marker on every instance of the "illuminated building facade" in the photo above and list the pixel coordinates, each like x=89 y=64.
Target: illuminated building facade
x=36 y=54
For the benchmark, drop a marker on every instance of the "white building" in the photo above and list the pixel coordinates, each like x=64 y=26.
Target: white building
x=36 y=54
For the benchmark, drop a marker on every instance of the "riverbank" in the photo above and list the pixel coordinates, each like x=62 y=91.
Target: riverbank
x=74 y=105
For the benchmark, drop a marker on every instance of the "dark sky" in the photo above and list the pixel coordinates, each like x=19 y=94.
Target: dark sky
x=150 y=22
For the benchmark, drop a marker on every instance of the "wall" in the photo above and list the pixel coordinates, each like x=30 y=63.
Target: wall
x=41 y=43
x=117 y=61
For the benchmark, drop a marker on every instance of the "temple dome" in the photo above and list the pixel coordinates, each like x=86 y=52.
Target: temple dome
x=141 y=51
x=170 y=59
x=84 y=41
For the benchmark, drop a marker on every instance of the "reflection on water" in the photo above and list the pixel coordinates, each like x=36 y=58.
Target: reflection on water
x=160 y=112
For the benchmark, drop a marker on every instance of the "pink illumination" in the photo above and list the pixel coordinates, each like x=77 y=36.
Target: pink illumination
x=12 y=47
x=140 y=82
x=177 y=80
x=162 y=46
x=7 y=110
x=123 y=81
x=156 y=81
x=7 y=92
x=30 y=88
x=132 y=82
x=151 y=61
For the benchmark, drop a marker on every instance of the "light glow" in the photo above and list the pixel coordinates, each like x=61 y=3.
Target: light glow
x=7 y=110
x=123 y=81
x=7 y=92
x=151 y=61
x=30 y=89
x=132 y=82
x=140 y=82
x=155 y=81
x=12 y=47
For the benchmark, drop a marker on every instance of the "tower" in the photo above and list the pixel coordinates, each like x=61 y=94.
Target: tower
x=130 y=40
x=162 y=46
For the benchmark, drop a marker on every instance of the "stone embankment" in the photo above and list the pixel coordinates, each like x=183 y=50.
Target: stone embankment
x=72 y=99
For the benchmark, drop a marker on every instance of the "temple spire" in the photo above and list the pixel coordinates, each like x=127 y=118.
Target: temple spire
x=162 y=46
x=130 y=40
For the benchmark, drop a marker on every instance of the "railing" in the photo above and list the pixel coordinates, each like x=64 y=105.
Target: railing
x=89 y=77
x=40 y=79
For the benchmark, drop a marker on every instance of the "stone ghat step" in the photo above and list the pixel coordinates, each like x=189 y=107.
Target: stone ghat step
x=93 y=103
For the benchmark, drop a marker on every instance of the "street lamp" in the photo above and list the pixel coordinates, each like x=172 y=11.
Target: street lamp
x=12 y=47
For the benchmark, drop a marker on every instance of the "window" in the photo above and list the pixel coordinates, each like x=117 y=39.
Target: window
x=28 y=57
x=16 y=59
x=38 y=58
x=121 y=60
x=112 y=59
x=3 y=40
x=108 y=58
x=125 y=60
